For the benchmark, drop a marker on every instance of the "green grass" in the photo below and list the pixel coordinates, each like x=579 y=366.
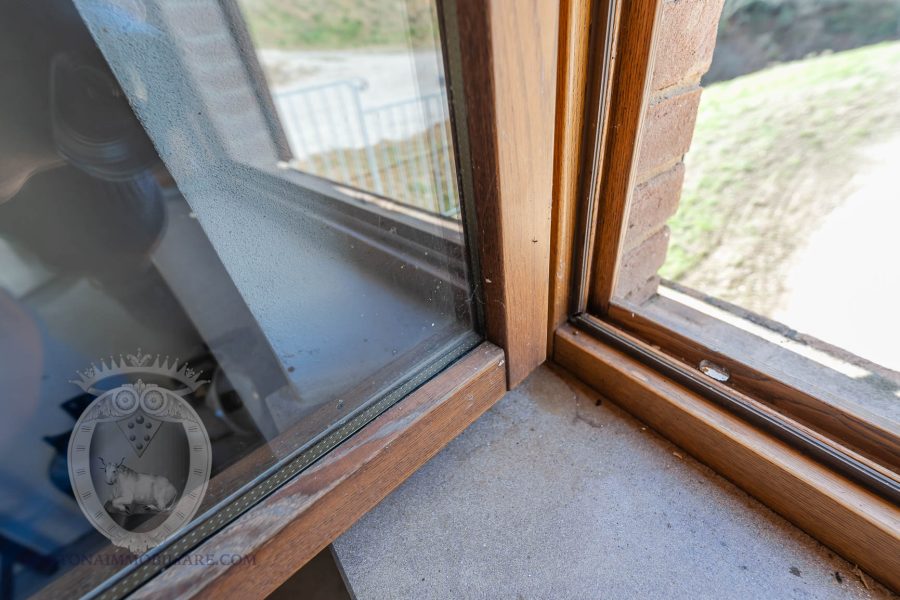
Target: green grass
x=412 y=170
x=339 y=24
x=770 y=155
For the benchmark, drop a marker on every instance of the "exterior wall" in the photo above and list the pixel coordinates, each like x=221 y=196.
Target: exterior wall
x=686 y=38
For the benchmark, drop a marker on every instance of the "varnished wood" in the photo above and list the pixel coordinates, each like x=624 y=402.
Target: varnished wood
x=603 y=41
x=572 y=76
x=296 y=522
x=629 y=98
x=506 y=52
x=760 y=413
x=506 y=76
x=862 y=435
x=859 y=525
x=108 y=559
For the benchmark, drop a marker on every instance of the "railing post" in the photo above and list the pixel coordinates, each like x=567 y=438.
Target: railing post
x=435 y=160
x=370 y=151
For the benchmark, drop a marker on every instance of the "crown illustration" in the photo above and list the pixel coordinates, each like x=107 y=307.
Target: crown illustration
x=139 y=363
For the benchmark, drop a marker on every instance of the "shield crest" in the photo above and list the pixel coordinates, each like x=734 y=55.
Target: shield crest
x=139 y=455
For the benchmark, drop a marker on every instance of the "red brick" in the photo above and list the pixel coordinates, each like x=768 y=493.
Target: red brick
x=640 y=264
x=684 y=50
x=653 y=203
x=643 y=292
x=686 y=40
x=668 y=128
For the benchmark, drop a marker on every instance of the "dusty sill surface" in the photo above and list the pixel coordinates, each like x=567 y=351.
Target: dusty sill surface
x=550 y=495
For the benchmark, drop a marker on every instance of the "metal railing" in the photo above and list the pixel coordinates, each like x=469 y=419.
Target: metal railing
x=401 y=150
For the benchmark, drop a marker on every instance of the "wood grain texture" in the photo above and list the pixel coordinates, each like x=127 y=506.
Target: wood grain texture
x=507 y=51
x=859 y=525
x=107 y=560
x=629 y=97
x=865 y=436
x=296 y=522
x=601 y=67
x=571 y=91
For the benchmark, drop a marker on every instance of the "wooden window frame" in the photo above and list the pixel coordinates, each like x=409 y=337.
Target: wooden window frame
x=501 y=59
x=290 y=527
x=524 y=86
x=772 y=439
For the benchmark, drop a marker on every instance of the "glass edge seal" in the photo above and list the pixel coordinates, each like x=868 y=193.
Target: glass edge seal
x=249 y=495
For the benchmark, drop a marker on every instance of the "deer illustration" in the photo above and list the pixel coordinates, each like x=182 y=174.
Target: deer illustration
x=130 y=488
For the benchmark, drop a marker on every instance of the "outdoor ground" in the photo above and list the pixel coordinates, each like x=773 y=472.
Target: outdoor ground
x=336 y=24
x=773 y=154
x=791 y=197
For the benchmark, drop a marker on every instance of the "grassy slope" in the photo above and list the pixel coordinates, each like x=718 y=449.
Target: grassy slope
x=331 y=24
x=772 y=154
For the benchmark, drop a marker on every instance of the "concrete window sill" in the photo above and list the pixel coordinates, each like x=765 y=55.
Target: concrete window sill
x=551 y=495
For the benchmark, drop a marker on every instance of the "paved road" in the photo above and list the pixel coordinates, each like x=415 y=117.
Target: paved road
x=391 y=75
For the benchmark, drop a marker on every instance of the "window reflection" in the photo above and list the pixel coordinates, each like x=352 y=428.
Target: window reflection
x=157 y=193
x=360 y=95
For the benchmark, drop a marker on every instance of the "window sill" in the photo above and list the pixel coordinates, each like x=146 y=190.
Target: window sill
x=552 y=495
x=861 y=526
x=823 y=392
x=849 y=383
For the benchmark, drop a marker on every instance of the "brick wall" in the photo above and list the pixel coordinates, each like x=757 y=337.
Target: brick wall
x=686 y=37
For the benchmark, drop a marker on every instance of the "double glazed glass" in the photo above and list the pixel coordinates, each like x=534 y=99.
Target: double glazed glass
x=250 y=206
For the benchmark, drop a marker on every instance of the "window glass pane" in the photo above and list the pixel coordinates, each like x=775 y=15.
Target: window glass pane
x=787 y=199
x=388 y=134
x=229 y=237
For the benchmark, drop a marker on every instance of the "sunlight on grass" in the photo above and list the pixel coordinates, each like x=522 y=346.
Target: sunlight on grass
x=340 y=24
x=770 y=155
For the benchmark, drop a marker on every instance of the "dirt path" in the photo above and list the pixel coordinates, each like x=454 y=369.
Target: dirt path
x=763 y=224
x=843 y=285
x=791 y=201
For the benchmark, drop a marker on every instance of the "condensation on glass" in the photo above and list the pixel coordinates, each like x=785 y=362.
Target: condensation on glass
x=254 y=203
